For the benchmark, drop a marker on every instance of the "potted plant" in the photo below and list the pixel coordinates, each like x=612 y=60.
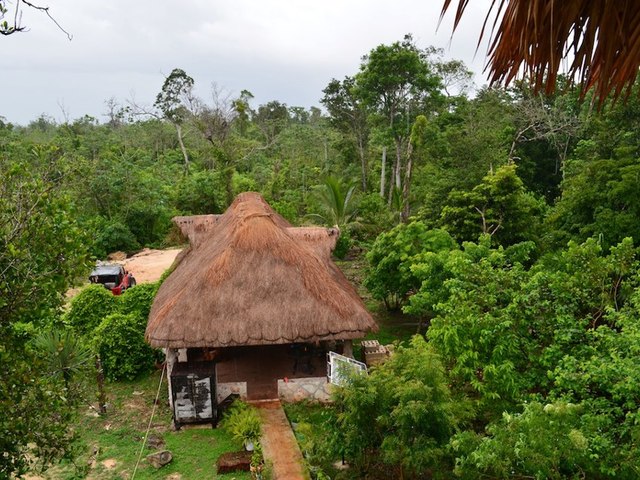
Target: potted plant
x=243 y=422
x=247 y=429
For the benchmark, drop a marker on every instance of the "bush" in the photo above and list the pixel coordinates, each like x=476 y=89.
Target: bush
x=374 y=217
x=401 y=415
x=343 y=245
x=243 y=422
x=113 y=236
x=89 y=308
x=119 y=340
x=137 y=301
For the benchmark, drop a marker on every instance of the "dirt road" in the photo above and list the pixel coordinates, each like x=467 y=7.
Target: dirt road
x=149 y=265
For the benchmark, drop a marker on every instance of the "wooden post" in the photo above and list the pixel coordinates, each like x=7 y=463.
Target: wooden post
x=171 y=356
x=102 y=395
x=347 y=350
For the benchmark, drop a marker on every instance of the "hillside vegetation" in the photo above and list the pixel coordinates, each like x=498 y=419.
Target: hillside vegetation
x=499 y=226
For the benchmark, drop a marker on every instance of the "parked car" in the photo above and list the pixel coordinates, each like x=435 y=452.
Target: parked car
x=113 y=277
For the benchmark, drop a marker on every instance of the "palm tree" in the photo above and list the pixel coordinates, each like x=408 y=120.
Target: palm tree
x=336 y=202
x=64 y=354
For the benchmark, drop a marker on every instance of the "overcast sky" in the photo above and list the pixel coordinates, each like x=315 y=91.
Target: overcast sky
x=284 y=50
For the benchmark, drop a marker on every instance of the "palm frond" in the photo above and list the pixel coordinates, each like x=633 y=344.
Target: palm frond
x=530 y=38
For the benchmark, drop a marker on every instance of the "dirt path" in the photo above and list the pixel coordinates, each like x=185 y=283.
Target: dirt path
x=149 y=265
x=279 y=444
x=146 y=266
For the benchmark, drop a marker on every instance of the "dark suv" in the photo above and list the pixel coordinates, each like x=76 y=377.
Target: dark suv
x=113 y=277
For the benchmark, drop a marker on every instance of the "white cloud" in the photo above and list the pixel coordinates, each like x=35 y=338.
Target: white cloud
x=279 y=49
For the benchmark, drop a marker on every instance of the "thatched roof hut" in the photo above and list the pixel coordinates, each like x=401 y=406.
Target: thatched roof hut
x=250 y=278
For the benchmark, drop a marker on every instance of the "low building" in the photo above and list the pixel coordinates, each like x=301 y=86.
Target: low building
x=252 y=307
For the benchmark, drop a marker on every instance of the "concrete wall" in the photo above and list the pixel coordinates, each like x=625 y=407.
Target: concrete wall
x=223 y=390
x=297 y=389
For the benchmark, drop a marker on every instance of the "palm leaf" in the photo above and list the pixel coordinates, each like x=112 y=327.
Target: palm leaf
x=530 y=38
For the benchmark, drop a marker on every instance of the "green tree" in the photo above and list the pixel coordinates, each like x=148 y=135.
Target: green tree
x=41 y=246
x=41 y=251
x=599 y=198
x=174 y=101
x=401 y=415
x=348 y=114
x=389 y=276
x=499 y=206
x=336 y=202
x=542 y=442
x=396 y=80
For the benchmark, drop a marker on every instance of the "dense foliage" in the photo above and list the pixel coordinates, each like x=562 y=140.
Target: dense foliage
x=505 y=221
x=119 y=340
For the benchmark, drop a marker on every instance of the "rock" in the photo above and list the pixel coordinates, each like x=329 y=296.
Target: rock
x=155 y=441
x=159 y=459
x=92 y=461
x=117 y=256
x=234 y=462
x=109 y=463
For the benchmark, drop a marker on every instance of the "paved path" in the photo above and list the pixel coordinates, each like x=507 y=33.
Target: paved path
x=279 y=445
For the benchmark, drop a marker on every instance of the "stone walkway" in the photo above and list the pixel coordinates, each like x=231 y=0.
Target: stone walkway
x=279 y=445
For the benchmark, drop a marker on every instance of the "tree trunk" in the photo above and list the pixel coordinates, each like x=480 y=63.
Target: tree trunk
x=326 y=154
x=363 y=164
x=102 y=395
x=382 y=172
x=182 y=147
x=398 y=164
x=395 y=175
x=394 y=167
x=228 y=177
x=406 y=188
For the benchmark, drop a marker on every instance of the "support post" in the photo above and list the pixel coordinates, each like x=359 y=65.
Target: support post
x=347 y=350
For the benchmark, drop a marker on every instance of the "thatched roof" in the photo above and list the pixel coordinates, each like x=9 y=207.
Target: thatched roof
x=534 y=36
x=194 y=227
x=253 y=279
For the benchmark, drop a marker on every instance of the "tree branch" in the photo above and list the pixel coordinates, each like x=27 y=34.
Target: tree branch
x=6 y=29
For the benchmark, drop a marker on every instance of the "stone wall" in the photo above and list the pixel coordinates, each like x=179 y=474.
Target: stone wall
x=297 y=389
x=223 y=390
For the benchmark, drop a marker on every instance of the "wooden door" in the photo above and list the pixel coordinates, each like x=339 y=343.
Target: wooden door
x=262 y=389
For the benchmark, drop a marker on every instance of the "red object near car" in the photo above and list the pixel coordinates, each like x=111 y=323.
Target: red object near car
x=113 y=277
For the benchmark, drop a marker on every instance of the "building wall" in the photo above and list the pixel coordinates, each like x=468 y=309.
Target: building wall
x=298 y=389
x=223 y=390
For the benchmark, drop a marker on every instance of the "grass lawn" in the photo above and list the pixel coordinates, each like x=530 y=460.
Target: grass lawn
x=313 y=425
x=117 y=437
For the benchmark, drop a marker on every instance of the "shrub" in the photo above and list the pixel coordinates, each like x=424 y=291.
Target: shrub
x=374 y=217
x=137 y=301
x=113 y=237
x=119 y=340
x=343 y=245
x=89 y=308
x=402 y=414
x=243 y=422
